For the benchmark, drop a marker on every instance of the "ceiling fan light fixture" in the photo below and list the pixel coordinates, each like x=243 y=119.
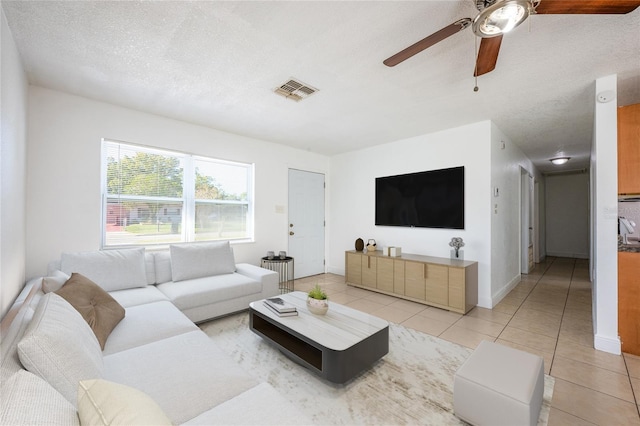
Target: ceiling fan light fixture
x=501 y=17
x=560 y=160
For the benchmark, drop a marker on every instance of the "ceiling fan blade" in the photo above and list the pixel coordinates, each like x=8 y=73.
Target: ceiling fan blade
x=576 y=7
x=427 y=42
x=487 y=55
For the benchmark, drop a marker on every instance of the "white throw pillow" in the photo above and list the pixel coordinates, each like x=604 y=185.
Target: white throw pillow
x=54 y=281
x=59 y=346
x=190 y=261
x=162 y=261
x=150 y=267
x=29 y=400
x=101 y=402
x=110 y=269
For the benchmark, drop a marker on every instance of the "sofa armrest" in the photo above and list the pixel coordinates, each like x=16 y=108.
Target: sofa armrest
x=255 y=272
x=269 y=279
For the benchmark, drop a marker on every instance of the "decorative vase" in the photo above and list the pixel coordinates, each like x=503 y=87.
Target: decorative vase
x=359 y=244
x=457 y=254
x=371 y=245
x=317 y=306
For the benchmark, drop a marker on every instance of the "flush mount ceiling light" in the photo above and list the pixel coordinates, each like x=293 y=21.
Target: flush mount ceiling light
x=501 y=17
x=560 y=160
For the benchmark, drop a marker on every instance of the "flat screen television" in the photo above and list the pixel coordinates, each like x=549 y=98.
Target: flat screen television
x=430 y=199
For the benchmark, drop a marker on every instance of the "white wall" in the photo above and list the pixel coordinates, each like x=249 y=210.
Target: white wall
x=604 y=219
x=567 y=212
x=352 y=197
x=506 y=164
x=63 y=186
x=13 y=116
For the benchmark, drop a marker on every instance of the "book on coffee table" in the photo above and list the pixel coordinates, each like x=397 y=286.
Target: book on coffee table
x=279 y=305
x=281 y=314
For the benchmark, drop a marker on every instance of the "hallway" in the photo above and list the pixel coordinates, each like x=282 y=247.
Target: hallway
x=549 y=314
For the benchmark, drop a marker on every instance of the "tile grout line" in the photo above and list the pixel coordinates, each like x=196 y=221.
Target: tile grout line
x=564 y=309
x=633 y=392
x=522 y=303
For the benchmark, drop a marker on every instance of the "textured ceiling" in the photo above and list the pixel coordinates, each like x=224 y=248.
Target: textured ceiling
x=217 y=63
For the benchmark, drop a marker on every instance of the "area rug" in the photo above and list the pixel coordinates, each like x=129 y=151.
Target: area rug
x=412 y=384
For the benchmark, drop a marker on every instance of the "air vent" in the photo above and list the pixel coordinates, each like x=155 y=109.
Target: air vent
x=295 y=90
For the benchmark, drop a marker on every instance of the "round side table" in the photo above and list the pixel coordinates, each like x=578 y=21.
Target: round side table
x=284 y=268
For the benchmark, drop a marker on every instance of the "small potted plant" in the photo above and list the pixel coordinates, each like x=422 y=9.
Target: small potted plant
x=317 y=301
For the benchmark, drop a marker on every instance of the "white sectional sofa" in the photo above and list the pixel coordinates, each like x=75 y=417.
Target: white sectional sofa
x=155 y=362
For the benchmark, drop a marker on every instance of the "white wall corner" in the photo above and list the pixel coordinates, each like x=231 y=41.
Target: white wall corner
x=607 y=344
x=337 y=271
x=605 y=220
x=505 y=290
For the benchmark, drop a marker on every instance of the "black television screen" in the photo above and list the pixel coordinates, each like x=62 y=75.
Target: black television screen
x=431 y=199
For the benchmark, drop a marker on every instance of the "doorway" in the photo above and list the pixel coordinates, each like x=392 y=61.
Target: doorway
x=306 y=222
x=526 y=221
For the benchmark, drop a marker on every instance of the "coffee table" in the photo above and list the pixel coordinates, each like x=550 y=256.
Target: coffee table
x=337 y=346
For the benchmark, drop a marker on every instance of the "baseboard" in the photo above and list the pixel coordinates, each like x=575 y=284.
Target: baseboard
x=563 y=254
x=337 y=271
x=496 y=298
x=607 y=344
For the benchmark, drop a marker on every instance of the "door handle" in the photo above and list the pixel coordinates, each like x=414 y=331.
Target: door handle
x=291 y=232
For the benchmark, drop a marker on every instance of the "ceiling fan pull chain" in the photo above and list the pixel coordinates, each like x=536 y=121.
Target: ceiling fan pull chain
x=475 y=74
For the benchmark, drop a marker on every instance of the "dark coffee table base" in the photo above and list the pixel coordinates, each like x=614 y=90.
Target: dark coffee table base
x=334 y=366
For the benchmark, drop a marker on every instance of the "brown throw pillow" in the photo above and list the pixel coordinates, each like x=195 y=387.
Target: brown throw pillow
x=101 y=311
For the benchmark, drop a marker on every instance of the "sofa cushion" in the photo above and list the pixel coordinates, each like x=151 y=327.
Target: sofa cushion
x=138 y=296
x=253 y=404
x=59 y=346
x=150 y=267
x=185 y=374
x=162 y=260
x=101 y=402
x=190 y=261
x=54 y=281
x=148 y=323
x=100 y=310
x=208 y=290
x=110 y=269
x=29 y=400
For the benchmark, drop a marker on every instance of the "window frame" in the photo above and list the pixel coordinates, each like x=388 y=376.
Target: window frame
x=188 y=200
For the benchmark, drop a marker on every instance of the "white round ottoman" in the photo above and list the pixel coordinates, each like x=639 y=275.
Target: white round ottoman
x=498 y=385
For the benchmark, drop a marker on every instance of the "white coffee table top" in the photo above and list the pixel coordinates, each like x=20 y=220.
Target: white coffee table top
x=339 y=329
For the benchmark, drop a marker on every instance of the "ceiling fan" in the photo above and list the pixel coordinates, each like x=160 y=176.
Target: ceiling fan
x=497 y=17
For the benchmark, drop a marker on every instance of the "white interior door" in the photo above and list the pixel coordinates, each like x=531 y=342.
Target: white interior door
x=306 y=222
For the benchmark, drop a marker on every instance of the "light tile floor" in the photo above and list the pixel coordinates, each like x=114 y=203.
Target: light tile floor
x=549 y=314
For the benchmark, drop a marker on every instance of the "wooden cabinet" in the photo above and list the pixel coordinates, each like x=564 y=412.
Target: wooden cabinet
x=456 y=288
x=414 y=281
x=385 y=275
x=629 y=149
x=369 y=271
x=398 y=277
x=437 y=283
x=444 y=283
x=629 y=301
x=354 y=268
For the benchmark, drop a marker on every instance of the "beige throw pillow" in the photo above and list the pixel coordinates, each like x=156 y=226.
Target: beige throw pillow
x=97 y=307
x=101 y=402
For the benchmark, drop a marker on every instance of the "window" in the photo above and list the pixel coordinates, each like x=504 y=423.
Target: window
x=155 y=197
